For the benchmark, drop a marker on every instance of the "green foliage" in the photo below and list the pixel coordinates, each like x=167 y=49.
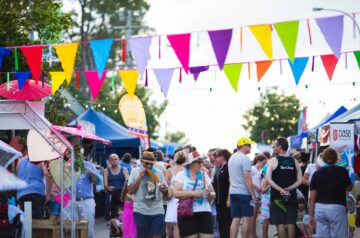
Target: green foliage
x=179 y=137
x=55 y=111
x=273 y=116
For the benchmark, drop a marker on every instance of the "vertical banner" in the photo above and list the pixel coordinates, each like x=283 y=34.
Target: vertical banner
x=133 y=114
x=342 y=140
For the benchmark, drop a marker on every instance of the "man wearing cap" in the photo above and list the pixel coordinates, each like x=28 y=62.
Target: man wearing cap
x=145 y=183
x=241 y=191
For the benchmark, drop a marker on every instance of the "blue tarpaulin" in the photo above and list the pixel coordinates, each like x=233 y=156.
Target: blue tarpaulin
x=170 y=147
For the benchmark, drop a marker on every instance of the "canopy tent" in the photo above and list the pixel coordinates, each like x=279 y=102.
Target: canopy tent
x=7 y=154
x=352 y=115
x=155 y=145
x=169 y=147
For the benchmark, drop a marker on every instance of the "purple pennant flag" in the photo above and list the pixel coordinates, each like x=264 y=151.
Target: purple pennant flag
x=197 y=70
x=220 y=41
x=332 y=29
x=164 y=77
x=140 y=49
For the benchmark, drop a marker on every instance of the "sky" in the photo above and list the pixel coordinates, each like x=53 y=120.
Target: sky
x=209 y=111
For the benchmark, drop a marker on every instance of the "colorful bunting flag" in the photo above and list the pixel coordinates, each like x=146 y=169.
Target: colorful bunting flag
x=298 y=67
x=101 y=51
x=21 y=78
x=197 y=70
x=181 y=45
x=57 y=78
x=329 y=62
x=220 y=41
x=33 y=56
x=94 y=82
x=232 y=72
x=164 y=77
x=357 y=57
x=129 y=78
x=140 y=49
x=262 y=67
x=67 y=55
x=262 y=34
x=332 y=29
x=288 y=33
x=3 y=53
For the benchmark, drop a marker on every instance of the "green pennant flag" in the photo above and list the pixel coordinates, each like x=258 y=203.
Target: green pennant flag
x=232 y=72
x=288 y=33
x=357 y=56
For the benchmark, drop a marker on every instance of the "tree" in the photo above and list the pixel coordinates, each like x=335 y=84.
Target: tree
x=179 y=137
x=273 y=116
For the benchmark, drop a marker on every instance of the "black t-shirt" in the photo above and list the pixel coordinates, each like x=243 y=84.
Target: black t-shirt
x=330 y=184
x=221 y=184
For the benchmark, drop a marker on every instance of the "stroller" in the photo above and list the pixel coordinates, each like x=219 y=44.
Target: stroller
x=9 y=228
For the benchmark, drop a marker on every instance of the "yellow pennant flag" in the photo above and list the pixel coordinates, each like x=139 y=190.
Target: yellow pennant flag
x=262 y=34
x=57 y=79
x=67 y=54
x=129 y=78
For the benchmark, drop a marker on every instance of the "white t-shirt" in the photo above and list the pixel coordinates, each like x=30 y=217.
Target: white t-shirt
x=256 y=179
x=310 y=170
x=200 y=204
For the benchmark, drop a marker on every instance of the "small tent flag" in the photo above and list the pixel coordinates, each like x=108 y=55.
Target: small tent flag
x=220 y=41
x=164 y=77
x=67 y=54
x=262 y=34
x=181 y=45
x=33 y=56
x=101 y=51
x=21 y=78
x=140 y=49
x=232 y=72
x=288 y=33
x=57 y=78
x=329 y=62
x=262 y=67
x=298 y=67
x=332 y=29
x=94 y=82
x=197 y=70
x=129 y=78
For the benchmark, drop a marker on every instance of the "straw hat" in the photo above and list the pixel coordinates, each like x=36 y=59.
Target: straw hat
x=148 y=157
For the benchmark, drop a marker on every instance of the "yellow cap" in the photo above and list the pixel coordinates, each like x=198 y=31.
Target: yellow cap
x=244 y=141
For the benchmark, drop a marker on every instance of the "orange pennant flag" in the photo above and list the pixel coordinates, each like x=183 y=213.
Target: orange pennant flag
x=262 y=67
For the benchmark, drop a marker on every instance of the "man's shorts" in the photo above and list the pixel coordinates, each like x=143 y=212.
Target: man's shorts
x=149 y=225
x=240 y=205
x=285 y=215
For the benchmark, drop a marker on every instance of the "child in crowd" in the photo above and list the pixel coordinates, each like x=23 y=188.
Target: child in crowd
x=129 y=227
x=264 y=217
x=303 y=226
x=117 y=224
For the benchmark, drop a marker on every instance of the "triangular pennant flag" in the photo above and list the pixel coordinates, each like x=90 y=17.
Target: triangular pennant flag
x=21 y=78
x=262 y=34
x=164 y=77
x=101 y=51
x=33 y=56
x=3 y=53
x=298 y=67
x=220 y=41
x=129 y=78
x=140 y=49
x=181 y=45
x=357 y=57
x=332 y=29
x=232 y=72
x=262 y=67
x=57 y=78
x=288 y=33
x=329 y=62
x=67 y=54
x=197 y=70
x=94 y=82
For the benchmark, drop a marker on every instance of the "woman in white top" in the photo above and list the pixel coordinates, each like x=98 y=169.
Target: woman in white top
x=171 y=211
x=193 y=183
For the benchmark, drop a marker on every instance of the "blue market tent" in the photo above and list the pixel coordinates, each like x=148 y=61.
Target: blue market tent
x=155 y=145
x=352 y=115
x=169 y=147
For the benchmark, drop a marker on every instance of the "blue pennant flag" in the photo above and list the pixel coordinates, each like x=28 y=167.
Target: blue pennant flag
x=298 y=67
x=21 y=78
x=101 y=51
x=3 y=52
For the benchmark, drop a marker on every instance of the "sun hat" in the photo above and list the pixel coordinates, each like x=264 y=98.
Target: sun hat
x=148 y=157
x=244 y=141
x=55 y=170
x=192 y=157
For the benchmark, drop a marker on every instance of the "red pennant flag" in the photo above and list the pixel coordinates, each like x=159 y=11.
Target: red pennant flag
x=262 y=67
x=329 y=62
x=33 y=56
x=181 y=45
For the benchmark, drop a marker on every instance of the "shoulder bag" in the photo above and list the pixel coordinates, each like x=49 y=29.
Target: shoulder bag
x=185 y=208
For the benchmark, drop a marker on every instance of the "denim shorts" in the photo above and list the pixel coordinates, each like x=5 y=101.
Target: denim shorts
x=147 y=225
x=240 y=205
x=54 y=208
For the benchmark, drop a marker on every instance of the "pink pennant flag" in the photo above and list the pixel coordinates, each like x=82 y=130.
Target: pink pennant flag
x=33 y=56
x=329 y=62
x=181 y=45
x=94 y=82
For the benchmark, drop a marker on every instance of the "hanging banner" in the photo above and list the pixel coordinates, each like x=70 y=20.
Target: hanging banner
x=133 y=114
x=342 y=140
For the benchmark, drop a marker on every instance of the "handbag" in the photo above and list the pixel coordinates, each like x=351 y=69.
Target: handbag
x=185 y=208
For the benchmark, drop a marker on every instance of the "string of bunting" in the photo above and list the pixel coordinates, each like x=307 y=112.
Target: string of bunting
x=331 y=27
